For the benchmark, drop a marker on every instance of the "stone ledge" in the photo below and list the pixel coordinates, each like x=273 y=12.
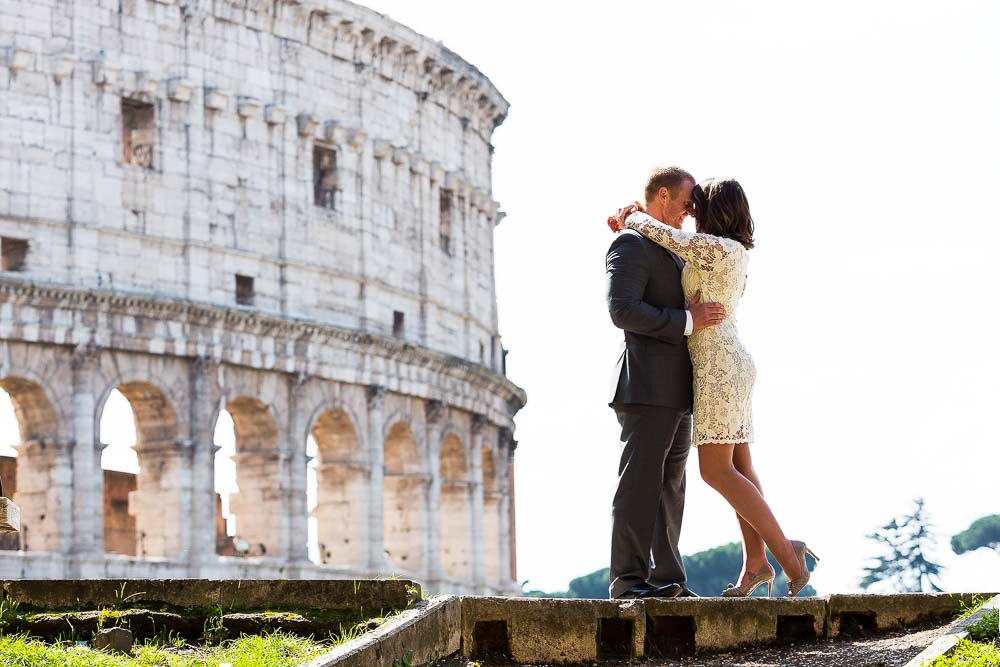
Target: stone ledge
x=683 y=627
x=431 y=630
x=250 y=595
x=861 y=614
x=551 y=630
x=561 y=631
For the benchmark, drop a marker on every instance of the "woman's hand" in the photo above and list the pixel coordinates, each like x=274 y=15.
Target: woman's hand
x=617 y=221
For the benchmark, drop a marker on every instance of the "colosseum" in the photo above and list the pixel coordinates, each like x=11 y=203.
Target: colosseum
x=278 y=209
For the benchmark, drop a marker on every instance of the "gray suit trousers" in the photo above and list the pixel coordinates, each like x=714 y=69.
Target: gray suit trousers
x=649 y=502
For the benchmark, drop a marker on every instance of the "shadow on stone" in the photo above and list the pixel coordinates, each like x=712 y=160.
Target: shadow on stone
x=614 y=638
x=490 y=640
x=670 y=636
x=796 y=629
x=857 y=624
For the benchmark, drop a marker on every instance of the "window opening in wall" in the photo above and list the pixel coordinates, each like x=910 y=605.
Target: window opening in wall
x=15 y=253
x=325 y=177
x=244 y=290
x=482 y=353
x=397 y=324
x=138 y=133
x=446 y=214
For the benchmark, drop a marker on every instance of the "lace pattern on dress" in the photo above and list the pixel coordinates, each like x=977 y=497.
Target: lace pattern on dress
x=724 y=372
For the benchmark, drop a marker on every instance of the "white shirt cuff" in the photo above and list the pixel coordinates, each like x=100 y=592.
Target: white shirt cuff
x=689 y=327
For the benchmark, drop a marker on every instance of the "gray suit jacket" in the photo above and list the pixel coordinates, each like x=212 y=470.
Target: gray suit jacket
x=645 y=299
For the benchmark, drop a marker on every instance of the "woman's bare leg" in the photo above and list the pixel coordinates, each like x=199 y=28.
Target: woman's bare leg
x=716 y=463
x=754 y=556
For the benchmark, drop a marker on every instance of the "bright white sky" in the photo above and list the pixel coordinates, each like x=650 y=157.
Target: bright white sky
x=866 y=135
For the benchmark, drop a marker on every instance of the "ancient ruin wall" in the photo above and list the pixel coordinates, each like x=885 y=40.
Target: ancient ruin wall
x=280 y=208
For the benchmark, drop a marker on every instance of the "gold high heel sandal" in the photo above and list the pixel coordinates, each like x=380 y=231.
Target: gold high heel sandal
x=763 y=576
x=796 y=585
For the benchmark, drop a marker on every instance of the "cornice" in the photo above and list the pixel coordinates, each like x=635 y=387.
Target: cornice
x=258 y=323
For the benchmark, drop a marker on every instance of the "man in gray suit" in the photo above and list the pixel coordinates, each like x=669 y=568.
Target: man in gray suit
x=652 y=396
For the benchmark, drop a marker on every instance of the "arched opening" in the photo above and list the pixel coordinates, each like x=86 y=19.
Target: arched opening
x=336 y=491
x=455 y=506
x=224 y=439
x=34 y=465
x=145 y=479
x=256 y=506
x=404 y=501
x=491 y=518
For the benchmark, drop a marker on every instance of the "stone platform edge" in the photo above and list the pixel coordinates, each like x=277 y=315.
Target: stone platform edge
x=945 y=644
x=566 y=631
x=379 y=597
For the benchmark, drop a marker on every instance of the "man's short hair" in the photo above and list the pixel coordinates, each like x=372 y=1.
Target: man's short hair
x=671 y=178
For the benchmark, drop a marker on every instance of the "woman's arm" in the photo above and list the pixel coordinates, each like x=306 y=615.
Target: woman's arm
x=702 y=250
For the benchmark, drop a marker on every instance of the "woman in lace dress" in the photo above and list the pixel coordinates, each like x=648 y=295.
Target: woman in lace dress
x=716 y=268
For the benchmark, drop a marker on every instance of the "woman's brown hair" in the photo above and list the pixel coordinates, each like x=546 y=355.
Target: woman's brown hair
x=721 y=209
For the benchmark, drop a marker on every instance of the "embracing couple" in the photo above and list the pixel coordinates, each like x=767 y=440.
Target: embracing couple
x=675 y=293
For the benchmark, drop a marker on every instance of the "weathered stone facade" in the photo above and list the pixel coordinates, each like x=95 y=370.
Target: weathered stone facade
x=279 y=208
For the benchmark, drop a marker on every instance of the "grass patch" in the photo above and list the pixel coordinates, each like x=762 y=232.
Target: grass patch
x=271 y=650
x=971 y=654
x=986 y=628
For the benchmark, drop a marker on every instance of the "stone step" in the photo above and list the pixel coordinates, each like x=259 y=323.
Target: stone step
x=326 y=595
x=563 y=631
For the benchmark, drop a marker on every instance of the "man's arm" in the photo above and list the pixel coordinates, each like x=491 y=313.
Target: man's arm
x=627 y=274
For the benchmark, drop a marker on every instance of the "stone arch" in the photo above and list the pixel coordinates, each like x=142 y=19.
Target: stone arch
x=404 y=499
x=257 y=504
x=36 y=415
x=455 y=512
x=41 y=469
x=143 y=511
x=491 y=517
x=340 y=488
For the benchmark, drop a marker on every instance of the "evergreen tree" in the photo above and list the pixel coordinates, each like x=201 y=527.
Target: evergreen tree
x=984 y=532
x=904 y=564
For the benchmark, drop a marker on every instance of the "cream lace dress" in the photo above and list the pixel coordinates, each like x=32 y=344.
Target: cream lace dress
x=723 y=369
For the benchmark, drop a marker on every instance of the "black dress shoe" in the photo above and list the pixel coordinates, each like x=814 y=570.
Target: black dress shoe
x=635 y=592
x=647 y=591
x=667 y=591
x=687 y=593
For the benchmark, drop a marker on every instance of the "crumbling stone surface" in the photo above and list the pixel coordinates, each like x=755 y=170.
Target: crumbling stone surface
x=253 y=595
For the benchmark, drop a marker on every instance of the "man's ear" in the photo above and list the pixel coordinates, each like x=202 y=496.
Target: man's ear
x=664 y=191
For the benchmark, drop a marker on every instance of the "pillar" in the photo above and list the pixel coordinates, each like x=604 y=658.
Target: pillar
x=45 y=494
x=162 y=500
x=87 y=510
x=292 y=474
x=374 y=443
x=201 y=548
x=476 y=516
x=434 y=411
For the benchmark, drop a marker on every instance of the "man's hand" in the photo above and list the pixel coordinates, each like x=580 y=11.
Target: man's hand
x=705 y=315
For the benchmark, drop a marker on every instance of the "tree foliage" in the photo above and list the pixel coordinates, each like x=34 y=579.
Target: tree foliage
x=904 y=564
x=984 y=532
